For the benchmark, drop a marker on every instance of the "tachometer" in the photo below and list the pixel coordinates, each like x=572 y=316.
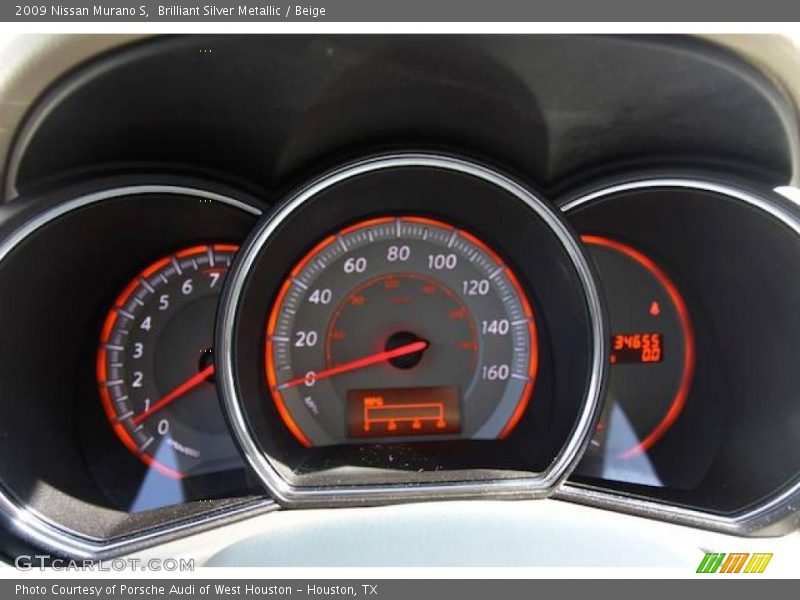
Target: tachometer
x=400 y=327
x=155 y=364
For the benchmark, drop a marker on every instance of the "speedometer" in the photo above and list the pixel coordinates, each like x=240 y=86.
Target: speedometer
x=399 y=327
x=410 y=319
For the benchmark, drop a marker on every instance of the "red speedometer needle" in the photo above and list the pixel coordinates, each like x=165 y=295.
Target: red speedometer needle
x=360 y=363
x=179 y=391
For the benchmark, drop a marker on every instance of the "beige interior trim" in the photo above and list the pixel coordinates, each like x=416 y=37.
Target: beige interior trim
x=778 y=59
x=31 y=63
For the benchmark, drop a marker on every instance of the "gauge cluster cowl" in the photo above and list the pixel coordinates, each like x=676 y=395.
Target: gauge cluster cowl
x=199 y=317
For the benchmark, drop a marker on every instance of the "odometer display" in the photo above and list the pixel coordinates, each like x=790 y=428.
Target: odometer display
x=633 y=348
x=400 y=328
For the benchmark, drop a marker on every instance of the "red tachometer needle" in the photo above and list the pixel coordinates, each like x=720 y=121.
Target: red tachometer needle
x=179 y=391
x=361 y=363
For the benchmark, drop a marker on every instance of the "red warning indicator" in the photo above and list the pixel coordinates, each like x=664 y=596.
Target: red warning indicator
x=403 y=412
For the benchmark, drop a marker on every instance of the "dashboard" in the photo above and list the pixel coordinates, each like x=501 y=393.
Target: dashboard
x=353 y=271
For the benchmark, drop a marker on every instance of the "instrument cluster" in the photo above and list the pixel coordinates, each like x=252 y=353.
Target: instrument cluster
x=391 y=322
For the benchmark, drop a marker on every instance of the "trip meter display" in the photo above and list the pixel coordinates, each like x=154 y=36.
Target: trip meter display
x=401 y=327
x=403 y=411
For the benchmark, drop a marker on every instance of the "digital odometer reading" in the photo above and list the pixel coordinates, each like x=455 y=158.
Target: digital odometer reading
x=399 y=327
x=631 y=348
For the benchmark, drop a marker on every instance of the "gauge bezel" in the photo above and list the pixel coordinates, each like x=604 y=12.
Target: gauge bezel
x=357 y=487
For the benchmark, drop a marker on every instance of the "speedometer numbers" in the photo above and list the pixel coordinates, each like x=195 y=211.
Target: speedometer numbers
x=396 y=328
x=154 y=364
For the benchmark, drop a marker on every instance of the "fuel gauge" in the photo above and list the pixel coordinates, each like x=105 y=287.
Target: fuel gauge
x=652 y=362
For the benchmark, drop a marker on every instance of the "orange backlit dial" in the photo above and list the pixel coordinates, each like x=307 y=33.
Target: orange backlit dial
x=400 y=327
x=155 y=364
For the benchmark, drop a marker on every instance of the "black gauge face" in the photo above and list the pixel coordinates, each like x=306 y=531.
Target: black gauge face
x=400 y=328
x=154 y=366
x=652 y=361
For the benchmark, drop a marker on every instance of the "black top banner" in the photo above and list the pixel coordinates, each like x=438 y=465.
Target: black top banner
x=403 y=11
